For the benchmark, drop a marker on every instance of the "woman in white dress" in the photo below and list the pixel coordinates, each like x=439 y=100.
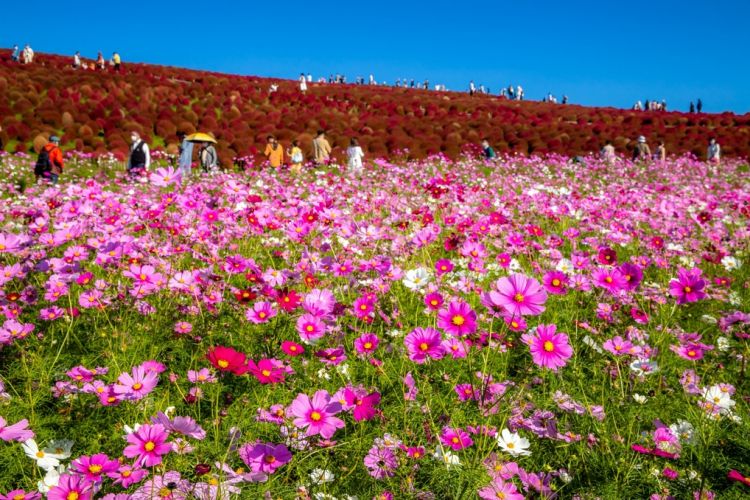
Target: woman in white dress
x=354 y=154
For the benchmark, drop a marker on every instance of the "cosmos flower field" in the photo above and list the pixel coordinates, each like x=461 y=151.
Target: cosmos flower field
x=527 y=328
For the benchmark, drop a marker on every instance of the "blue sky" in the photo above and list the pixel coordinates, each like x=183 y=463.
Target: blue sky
x=604 y=53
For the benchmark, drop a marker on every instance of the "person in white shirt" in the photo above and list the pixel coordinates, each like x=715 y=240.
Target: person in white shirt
x=140 y=157
x=77 y=60
x=309 y=78
x=354 y=154
x=302 y=83
x=608 y=153
x=472 y=89
x=714 y=152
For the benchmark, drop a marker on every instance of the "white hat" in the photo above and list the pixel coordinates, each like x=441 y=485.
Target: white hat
x=641 y=139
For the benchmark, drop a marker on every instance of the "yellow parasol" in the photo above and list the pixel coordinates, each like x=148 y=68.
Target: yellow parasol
x=200 y=137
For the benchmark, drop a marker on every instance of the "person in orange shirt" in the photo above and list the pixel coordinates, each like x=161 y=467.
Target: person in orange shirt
x=49 y=165
x=274 y=152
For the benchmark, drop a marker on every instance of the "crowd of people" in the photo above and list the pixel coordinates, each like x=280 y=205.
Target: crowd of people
x=26 y=56
x=642 y=151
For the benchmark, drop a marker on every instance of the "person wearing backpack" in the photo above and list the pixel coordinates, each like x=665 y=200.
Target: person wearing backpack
x=208 y=157
x=295 y=153
x=140 y=157
x=49 y=164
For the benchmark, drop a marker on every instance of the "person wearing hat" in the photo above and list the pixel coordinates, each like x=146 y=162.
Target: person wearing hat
x=49 y=164
x=641 y=151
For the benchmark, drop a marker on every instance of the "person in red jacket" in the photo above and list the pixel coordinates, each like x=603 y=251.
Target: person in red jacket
x=49 y=165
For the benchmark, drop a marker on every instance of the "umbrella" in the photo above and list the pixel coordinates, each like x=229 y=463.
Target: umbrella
x=200 y=137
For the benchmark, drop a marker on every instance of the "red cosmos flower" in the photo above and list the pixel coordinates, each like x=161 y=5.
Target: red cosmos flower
x=227 y=359
x=607 y=256
x=288 y=301
x=245 y=296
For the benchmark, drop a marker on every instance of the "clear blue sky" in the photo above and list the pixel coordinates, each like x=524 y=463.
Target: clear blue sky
x=604 y=53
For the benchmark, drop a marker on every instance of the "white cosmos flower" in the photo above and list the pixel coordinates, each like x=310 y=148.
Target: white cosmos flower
x=320 y=476
x=684 y=431
x=643 y=367
x=50 y=479
x=513 y=444
x=449 y=459
x=416 y=279
x=46 y=461
x=60 y=448
x=639 y=398
x=565 y=266
x=730 y=263
x=718 y=398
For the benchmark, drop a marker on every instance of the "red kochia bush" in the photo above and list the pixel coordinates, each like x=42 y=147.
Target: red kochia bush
x=159 y=101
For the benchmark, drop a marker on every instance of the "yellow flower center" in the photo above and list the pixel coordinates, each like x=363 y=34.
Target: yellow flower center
x=269 y=459
x=266 y=373
x=40 y=454
x=149 y=446
x=549 y=346
x=223 y=363
x=423 y=346
x=73 y=495
x=518 y=297
x=608 y=279
x=368 y=345
x=458 y=320
x=165 y=492
x=555 y=282
x=261 y=315
x=688 y=289
x=125 y=473
x=315 y=416
x=137 y=386
x=310 y=328
x=95 y=469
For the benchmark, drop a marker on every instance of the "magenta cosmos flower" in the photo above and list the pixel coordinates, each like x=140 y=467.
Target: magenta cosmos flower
x=364 y=407
x=95 y=467
x=458 y=319
x=455 y=438
x=265 y=457
x=688 y=286
x=555 y=282
x=316 y=414
x=500 y=489
x=71 y=487
x=519 y=295
x=548 y=348
x=148 y=444
x=423 y=343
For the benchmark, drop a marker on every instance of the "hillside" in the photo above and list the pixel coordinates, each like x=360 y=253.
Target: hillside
x=95 y=112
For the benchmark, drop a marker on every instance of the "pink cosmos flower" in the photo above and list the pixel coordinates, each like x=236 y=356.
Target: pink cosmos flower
x=381 y=462
x=633 y=275
x=455 y=438
x=316 y=414
x=265 y=457
x=364 y=408
x=95 y=467
x=433 y=301
x=16 y=432
x=202 y=376
x=459 y=319
x=127 y=475
x=548 y=348
x=267 y=371
x=71 y=487
x=366 y=344
x=148 y=444
x=180 y=425
x=688 y=286
x=424 y=343
x=137 y=384
x=310 y=327
x=363 y=307
x=20 y=495
x=500 y=489
x=164 y=177
x=260 y=313
x=618 y=346
x=519 y=295
x=611 y=279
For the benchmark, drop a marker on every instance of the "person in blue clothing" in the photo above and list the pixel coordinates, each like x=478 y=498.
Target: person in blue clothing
x=185 y=164
x=14 y=56
x=489 y=153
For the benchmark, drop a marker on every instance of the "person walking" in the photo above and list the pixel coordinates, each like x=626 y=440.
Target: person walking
x=116 y=61
x=489 y=153
x=49 y=164
x=641 y=151
x=27 y=56
x=302 y=83
x=100 y=61
x=140 y=156
x=354 y=156
x=208 y=158
x=699 y=106
x=296 y=156
x=692 y=107
x=274 y=152
x=608 y=153
x=321 y=149
x=14 y=55
x=713 y=155
x=77 y=60
x=661 y=152
x=185 y=164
